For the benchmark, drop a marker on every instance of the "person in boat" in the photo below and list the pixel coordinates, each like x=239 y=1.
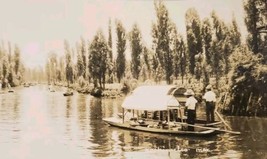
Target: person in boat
x=210 y=100
x=191 y=108
x=128 y=116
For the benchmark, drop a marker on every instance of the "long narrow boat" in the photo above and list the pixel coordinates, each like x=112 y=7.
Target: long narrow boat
x=170 y=131
x=156 y=98
x=68 y=94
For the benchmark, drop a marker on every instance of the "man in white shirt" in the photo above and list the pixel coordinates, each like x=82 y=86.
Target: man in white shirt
x=210 y=99
x=191 y=108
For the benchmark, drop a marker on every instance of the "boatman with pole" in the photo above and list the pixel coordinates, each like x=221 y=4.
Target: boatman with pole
x=191 y=108
x=210 y=100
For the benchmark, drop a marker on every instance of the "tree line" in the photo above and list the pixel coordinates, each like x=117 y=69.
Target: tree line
x=212 y=49
x=11 y=68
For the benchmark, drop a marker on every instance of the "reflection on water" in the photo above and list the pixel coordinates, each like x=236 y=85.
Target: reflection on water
x=36 y=123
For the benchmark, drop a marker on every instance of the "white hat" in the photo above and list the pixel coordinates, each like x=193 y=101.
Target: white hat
x=189 y=92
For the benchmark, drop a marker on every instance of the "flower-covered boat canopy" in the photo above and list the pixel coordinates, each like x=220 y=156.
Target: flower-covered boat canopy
x=151 y=98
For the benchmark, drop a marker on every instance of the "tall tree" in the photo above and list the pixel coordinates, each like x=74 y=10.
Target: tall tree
x=251 y=20
x=146 y=60
x=255 y=19
x=161 y=40
x=53 y=66
x=121 y=47
x=232 y=41
x=17 y=59
x=234 y=34
x=174 y=44
x=110 y=39
x=207 y=39
x=69 y=67
x=83 y=57
x=182 y=56
x=110 y=54
x=136 y=49
x=218 y=46
x=80 y=63
x=194 y=39
x=98 y=59
x=206 y=32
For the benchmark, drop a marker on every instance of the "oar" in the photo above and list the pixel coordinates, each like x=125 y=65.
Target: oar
x=221 y=118
x=211 y=128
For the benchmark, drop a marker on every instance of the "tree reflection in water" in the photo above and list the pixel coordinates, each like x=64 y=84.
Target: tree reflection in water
x=42 y=124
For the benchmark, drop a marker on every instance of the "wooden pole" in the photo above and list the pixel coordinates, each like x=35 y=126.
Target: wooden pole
x=221 y=118
x=211 y=128
x=123 y=115
x=168 y=118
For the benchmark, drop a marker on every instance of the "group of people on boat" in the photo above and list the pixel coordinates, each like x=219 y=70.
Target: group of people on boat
x=191 y=101
x=190 y=105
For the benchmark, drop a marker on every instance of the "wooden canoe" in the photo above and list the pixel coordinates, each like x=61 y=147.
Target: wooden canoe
x=68 y=94
x=172 y=131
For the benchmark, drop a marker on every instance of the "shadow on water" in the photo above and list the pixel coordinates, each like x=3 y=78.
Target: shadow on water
x=252 y=140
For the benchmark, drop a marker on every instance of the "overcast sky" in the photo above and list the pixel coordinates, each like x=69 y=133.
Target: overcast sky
x=40 y=26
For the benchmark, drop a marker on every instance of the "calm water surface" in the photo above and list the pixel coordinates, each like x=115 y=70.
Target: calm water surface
x=38 y=124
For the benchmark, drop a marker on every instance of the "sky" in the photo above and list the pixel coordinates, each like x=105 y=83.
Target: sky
x=39 y=27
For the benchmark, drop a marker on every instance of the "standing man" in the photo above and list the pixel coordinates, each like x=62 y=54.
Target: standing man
x=191 y=108
x=210 y=99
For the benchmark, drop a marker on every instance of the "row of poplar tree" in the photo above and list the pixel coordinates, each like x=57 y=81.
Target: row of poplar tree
x=212 y=48
x=11 y=68
x=205 y=53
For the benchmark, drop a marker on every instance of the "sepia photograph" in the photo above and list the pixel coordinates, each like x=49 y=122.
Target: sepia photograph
x=133 y=79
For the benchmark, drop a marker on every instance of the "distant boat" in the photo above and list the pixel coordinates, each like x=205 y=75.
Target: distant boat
x=10 y=90
x=51 y=89
x=68 y=94
x=26 y=85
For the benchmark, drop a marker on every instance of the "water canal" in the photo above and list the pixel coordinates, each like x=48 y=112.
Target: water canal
x=36 y=123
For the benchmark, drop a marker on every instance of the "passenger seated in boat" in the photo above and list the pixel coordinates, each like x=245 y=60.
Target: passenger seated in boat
x=142 y=123
x=128 y=115
x=172 y=124
x=162 y=124
x=133 y=122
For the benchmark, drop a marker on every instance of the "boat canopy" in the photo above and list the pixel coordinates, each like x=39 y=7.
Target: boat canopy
x=151 y=98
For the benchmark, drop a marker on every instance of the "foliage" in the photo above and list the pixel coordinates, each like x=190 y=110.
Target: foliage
x=98 y=59
x=69 y=66
x=80 y=62
x=256 y=15
x=248 y=78
x=121 y=47
x=136 y=49
x=110 y=55
x=161 y=40
x=11 y=68
x=83 y=62
x=194 y=39
x=16 y=59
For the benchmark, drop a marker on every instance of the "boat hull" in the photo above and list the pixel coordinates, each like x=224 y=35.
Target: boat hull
x=68 y=94
x=171 y=131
